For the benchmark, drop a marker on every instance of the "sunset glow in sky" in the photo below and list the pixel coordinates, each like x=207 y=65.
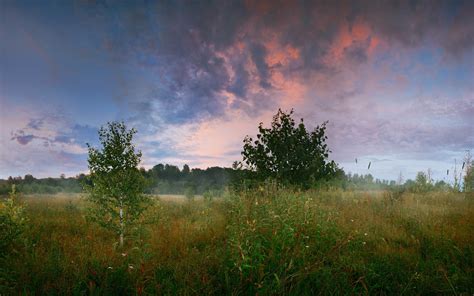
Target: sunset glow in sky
x=395 y=80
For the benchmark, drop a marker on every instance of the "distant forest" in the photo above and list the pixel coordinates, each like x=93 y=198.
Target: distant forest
x=170 y=179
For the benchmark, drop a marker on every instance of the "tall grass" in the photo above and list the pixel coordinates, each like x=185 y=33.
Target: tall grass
x=262 y=242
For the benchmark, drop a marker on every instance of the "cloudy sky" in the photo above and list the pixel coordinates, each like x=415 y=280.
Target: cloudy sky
x=395 y=79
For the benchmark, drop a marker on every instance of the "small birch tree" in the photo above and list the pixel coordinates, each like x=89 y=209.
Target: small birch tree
x=13 y=222
x=115 y=185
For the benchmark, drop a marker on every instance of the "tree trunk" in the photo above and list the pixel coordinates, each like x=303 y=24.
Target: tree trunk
x=121 y=227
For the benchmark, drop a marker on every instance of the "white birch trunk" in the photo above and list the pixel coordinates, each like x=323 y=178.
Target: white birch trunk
x=121 y=225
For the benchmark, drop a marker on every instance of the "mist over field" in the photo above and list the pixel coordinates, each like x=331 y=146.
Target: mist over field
x=236 y=147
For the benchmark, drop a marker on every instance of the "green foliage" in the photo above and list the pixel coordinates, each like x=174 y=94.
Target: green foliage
x=12 y=222
x=277 y=239
x=168 y=179
x=210 y=195
x=115 y=187
x=422 y=182
x=31 y=185
x=267 y=241
x=468 y=184
x=289 y=153
x=186 y=170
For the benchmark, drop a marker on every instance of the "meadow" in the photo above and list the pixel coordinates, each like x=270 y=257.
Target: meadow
x=264 y=242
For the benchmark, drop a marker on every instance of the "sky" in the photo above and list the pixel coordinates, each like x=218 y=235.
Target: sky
x=395 y=80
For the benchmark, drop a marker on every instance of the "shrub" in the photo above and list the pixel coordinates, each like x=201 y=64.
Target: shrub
x=12 y=222
x=278 y=238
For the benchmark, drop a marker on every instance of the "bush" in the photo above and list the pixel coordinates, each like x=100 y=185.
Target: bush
x=278 y=238
x=12 y=223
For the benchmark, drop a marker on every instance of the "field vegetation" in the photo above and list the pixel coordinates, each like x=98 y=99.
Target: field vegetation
x=265 y=241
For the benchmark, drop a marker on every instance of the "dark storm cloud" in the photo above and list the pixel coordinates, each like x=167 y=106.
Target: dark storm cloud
x=258 y=53
x=184 y=43
x=240 y=83
x=178 y=41
x=357 y=52
x=448 y=23
x=181 y=42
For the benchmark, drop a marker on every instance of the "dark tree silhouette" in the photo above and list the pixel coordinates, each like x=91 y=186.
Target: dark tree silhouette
x=289 y=153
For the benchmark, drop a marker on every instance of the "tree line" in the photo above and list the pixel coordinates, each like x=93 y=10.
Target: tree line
x=161 y=179
x=286 y=153
x=170 y=179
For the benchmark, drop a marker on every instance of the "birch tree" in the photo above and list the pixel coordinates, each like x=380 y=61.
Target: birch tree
x=115 y=185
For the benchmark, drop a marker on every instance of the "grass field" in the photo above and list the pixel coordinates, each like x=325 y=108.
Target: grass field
x=271 y=242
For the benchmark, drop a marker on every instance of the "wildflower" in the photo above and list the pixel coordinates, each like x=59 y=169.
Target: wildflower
x=110 y=267
x=352 y=220
x=365 y=234
x=130 y=266
x=124 y=254
x=364 y=243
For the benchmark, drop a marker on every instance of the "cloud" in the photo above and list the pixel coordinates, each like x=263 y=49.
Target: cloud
x=42 y=143
x=23 y=140
x=258 y=53
x=200 y=50
x=240 y=83
x=35 y=124
x=54 y=131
